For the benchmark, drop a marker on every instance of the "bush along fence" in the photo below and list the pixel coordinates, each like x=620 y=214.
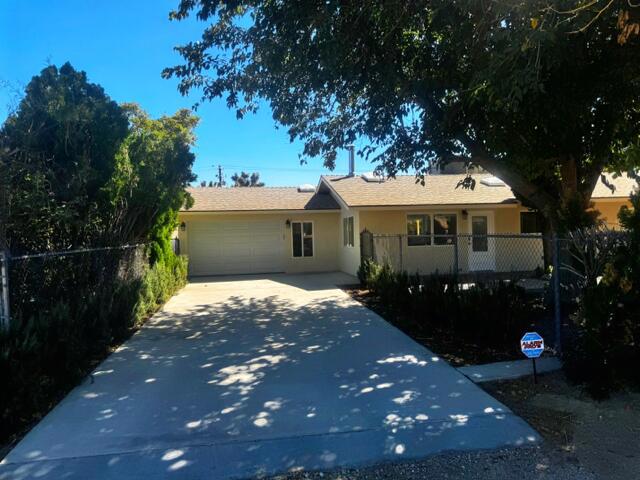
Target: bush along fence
x=484 y=316
x=492 y=288
x=63 y=312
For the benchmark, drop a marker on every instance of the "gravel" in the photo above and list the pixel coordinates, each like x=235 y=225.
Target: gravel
x=524 y=463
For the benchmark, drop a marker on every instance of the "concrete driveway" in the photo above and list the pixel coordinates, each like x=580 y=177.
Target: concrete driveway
x=241 y=376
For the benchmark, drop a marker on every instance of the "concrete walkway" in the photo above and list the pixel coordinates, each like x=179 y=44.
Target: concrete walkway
x=509 y=370
x=242 y=376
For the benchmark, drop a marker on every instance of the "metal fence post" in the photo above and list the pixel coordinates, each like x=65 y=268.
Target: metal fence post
x=366 y=246
x=4 y=287
x=456 y=261
x=556 y=294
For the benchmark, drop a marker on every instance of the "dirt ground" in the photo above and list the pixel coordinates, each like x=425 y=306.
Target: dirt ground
x=603 y=437
x=527 y=463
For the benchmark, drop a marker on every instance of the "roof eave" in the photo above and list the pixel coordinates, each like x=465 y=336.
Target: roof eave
x=281 y=210
x=439 y=205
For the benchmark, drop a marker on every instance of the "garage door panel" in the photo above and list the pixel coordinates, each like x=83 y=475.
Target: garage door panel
x=265 y=250
x=231 y=246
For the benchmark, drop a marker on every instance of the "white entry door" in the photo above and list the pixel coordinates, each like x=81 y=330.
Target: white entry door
x=482 y=249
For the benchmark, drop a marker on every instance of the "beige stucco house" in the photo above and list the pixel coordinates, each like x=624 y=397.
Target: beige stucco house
x=317 y=228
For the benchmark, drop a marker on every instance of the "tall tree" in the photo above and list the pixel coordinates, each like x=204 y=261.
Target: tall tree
x=508 y=85
x=79 y=170
x=153 y=167
x=58 y=150
x=243 y=179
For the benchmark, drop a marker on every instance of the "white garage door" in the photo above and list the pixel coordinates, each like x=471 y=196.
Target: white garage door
x=230 y=246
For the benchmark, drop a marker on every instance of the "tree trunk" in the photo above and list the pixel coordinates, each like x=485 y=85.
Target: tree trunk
x=549 y=229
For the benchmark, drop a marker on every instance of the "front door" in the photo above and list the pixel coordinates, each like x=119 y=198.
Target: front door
x=482 y=251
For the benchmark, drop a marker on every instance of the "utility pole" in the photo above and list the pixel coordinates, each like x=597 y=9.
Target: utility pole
x=220 y=177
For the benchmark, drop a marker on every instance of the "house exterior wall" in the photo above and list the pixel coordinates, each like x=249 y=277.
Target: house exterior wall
x=510 y=254
x=325 y=231
x=506 y=219
x=609 y=209
x=330 y=253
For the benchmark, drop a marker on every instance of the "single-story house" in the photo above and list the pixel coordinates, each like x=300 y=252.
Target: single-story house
x=317 y=228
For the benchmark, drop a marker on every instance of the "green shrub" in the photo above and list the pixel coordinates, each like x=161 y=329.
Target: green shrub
x=605 y=353
x=160 y=282
x=368 y=272
x=493 y=315
x=364 y=271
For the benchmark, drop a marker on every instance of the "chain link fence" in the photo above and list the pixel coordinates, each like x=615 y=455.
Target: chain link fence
x=491 y=256
x=4 y=290
x=50 y=284
x=63 y=311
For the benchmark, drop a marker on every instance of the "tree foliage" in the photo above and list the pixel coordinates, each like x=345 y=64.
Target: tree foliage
x=584 y=14
x=153 y=168
x=80 y=170
x=58 y=153
x=509 y=85
x=243 y=179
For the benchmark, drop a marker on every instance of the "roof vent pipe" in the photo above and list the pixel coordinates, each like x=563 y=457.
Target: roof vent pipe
x=352 y=160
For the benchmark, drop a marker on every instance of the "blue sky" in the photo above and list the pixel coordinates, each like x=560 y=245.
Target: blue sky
x=123 y=46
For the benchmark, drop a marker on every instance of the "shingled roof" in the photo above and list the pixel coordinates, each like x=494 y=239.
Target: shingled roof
x=403 y=190
x=357 y=192
x=244 y=199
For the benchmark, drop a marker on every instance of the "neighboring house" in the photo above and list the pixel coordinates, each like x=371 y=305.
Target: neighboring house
x=312 y=229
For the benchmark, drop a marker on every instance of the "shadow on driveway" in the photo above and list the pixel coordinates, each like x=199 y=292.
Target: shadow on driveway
x=239 y=377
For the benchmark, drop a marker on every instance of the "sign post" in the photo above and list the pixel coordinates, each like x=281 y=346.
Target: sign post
x=532 y=345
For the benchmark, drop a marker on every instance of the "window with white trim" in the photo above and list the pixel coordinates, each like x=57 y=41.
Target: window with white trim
x=348 y=239
x=418 y=230
x=302 y=238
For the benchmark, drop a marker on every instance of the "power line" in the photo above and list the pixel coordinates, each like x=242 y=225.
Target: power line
x=301 y=169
